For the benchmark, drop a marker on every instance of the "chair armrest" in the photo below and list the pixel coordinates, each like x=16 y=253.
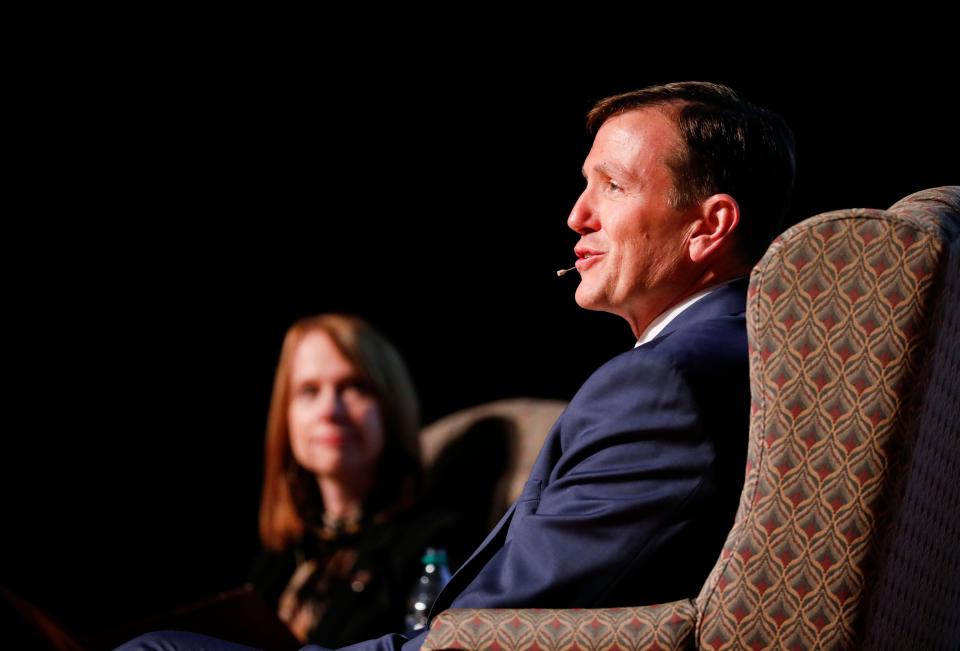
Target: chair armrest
x=664 y=626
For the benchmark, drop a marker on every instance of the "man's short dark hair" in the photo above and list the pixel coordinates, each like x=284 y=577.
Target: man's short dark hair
x=730 y=146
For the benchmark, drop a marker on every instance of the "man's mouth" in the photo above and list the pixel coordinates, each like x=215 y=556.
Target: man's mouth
x=585 y=259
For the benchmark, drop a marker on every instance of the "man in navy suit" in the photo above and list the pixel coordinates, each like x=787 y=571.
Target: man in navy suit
x=637 y=483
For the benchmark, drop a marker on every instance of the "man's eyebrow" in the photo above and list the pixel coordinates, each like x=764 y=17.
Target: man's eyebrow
x=610 y=169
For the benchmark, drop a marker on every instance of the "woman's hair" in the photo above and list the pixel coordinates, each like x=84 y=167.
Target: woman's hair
x=291 y=498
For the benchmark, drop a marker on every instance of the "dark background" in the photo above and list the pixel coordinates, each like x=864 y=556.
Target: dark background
x=182 y=210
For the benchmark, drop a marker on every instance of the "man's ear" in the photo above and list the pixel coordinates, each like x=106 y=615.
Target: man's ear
x=714 y=229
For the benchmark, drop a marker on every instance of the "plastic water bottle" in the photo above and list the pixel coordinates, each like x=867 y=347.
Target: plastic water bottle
x=435 y=576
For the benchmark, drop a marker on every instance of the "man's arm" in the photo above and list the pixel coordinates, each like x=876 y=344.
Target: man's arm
x=629 y=491
x=392 y=642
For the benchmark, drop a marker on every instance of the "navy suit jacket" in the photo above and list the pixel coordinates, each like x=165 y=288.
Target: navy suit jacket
x=636 y=486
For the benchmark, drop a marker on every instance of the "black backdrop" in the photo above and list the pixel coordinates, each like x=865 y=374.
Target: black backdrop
x=187 y=210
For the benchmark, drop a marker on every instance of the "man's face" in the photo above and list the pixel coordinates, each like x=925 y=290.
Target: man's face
x=632 y=254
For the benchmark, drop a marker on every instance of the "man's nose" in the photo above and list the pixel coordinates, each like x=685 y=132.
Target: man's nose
x=582 y=218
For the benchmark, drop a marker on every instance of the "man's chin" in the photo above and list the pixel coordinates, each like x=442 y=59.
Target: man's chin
x=589 y=300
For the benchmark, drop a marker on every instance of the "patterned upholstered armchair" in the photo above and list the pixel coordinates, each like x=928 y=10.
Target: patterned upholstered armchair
x=848 y=531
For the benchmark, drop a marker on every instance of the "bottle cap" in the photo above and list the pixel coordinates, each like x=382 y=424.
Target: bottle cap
x=437 y=556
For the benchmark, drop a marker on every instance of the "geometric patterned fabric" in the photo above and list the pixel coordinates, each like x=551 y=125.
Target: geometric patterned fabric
x=839 y=326
x=915 y=601
x=848 y=529
x=668 y=626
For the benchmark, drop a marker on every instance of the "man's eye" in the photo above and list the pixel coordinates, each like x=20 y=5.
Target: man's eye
x=613 y=186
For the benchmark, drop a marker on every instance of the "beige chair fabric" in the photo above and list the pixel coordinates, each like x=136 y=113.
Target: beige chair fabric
x=506 y=437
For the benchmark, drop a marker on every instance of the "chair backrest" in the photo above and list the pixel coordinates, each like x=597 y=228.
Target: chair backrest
x=478 y=458
x=848 y=527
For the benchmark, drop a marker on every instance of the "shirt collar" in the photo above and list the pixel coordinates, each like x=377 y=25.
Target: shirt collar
x=668 y=315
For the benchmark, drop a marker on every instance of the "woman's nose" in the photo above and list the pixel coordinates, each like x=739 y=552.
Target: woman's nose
x=329 y=403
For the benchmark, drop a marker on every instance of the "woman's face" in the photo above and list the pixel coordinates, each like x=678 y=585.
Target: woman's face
x=336 y=429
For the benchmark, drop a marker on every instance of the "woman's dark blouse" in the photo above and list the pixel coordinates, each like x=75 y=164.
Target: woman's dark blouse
x=363 y=578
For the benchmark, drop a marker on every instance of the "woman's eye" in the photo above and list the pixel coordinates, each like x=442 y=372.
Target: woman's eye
x=307 y=390
x=355 y=388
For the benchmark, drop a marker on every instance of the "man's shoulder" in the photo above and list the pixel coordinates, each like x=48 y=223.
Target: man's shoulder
x=708 y=338
x=712 y=330
x=715 y=347
x=702 y=342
